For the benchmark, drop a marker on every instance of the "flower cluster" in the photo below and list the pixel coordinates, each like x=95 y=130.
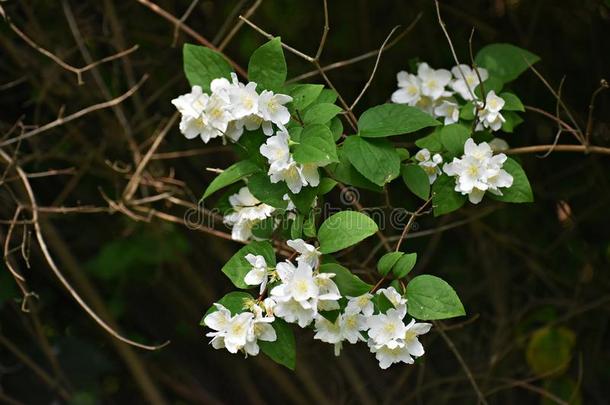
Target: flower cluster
x=478 y=171
x=304 y=295
x=242 y=331
x=283 y=167
x=434 y=91
x=231 y=107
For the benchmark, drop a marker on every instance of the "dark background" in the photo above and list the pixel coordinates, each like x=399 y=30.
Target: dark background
x=533 y=278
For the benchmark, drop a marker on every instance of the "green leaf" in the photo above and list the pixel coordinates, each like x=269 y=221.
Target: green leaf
x=336 y=127
x=520 y=191
x=264 y=229
x=326 y=185
x=511 y=102
x=387 y=261
x=375 y=159
x=467 y=111
x=267 y=66
x=432 y=298
x=444 y=197
x=237 y=267
x=316 y=145
x=393 y=119
x=327 y=96
x=233 y=301
x=304 y=199
x=304 y=94
x=431 y=142
x=296 y=227
x=282 y=350
x=512 y=119
x=309 y=226
x=404 y=265
x=321 y=113
x=202 y=65
x=344 y=229
x=416 y=180
x=549 y=350
x=345 y=172
x=270 y=193
x=348 y=283
x=231 y=175
x=505 y=61
x=492 y=83
x=248 y=148
x=403 y=153
x=453 y=138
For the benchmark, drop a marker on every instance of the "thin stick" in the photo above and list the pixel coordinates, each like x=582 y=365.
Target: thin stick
x=49 y=259
x=237 y=26
x=184 y=17
x=191 y=32
x=324 y=32
x=368 y=83
x=77 y=71
x=603 y=85
x=63 y=120
x=558 y=148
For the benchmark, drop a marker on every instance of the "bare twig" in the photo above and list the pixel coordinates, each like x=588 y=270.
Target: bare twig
x=63 y=120
x=603 y=85
x=558 y=148
x=238 y=24
x=76 y=70
x=184 y=17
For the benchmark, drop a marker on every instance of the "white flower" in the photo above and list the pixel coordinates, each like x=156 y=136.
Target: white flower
x=408 y=91
x=426 y=104
x=244 y=100
x=217 y=112
x=413 y=330
x=298 y=283
x=433 y=81
x=327 y=331
x=260 y=329
x=290 y=172
x=218 y=321
x=307 y=253
x=362 y=304
x=465 y=78
x=388 y=329
x=388 y=356
x=292 y=311
x=478 y=171
x=490 y=117
x=352 y=324
x=259 y=272
x=328 y=293
x=247 y=212
x=277 y=151
x=393 y=296
x=430 y=164
x=271 y=109
x=194 y=121
x=449 y=110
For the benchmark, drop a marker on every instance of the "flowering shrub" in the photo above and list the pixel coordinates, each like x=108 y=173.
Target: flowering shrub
x=294 y=150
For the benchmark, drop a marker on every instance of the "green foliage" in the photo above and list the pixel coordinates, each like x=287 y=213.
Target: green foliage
x=346 y=173
x=511 y=121
x=233 y=301
x=393 y=119
x=375 y=159
x=387 y=261
x=202 y=65
x=282 y=350
x=453 y=138
x=505 y=61
x=316 y=145
x=444 y=197
x=511 y=102
x=265 y=191
x=344 y=229
x=304 y=94
x=321 y=113
x=404 y=265
x=431 y=142
x=348 y=283
x=230 y=175
x=416 y=180
x=267 y=66
x=432 y=298
x=237 y=267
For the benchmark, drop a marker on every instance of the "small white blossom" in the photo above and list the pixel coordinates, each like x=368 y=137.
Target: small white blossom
x=433 y=81
x=429 y=163
x=478 y=171
x=244 y=100
x=388 y=356
x=388 y=329
x=393 y=296
x=362 y=304
x=413 y=330
x=449 y=110
x=247 y=212
x=258 y=274
x=307 y=253
x=490 y=116
x=466 y=78
x=271 y=108
x=409 y=89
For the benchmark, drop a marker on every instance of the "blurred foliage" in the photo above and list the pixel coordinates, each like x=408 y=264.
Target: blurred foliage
x=533 y=277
